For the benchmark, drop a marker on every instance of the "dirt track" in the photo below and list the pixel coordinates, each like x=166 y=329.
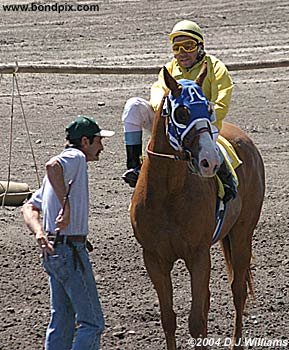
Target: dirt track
x=134 y=33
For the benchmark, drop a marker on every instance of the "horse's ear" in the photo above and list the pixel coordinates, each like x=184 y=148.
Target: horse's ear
x=202 y=75
x=171 y=83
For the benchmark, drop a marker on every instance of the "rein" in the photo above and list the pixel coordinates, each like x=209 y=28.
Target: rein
x=202 y=131
x=184 y=157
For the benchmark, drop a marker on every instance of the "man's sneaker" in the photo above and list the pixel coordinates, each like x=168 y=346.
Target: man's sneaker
x=131 y=176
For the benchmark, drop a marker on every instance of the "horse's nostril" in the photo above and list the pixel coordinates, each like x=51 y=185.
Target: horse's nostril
x=204 y=163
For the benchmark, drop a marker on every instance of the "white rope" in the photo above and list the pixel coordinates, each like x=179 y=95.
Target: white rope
x=15 y=83
x=10 y=140
x=27 y=129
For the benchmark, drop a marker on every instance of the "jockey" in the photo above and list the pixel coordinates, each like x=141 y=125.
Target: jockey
x=187 y=43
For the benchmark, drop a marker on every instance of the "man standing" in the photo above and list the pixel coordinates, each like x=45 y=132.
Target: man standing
x=76 y=316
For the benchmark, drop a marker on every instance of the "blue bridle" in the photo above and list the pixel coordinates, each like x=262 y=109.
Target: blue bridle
x=198 y=106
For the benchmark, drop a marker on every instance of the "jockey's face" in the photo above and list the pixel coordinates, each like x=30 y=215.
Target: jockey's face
x=185 y=58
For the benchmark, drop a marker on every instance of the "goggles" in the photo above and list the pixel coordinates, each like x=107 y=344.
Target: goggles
x=186 y=45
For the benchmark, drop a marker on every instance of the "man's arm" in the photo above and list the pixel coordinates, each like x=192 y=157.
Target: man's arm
x=55 y=176
x=221 y=92
x=31 y=216
x=54 y=172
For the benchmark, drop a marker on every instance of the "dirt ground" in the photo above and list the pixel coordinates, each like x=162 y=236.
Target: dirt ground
x=135 y=33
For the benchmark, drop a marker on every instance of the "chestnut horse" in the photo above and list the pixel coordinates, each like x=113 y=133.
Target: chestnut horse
x=173 y=210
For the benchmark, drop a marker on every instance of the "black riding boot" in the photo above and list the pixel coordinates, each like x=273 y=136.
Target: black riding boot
x=133 y=164
x=228 y=180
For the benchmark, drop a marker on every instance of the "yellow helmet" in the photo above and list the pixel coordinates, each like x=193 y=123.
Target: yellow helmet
x=187 y=28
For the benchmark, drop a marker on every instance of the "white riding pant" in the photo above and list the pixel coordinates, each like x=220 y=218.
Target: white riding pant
x=137 y=115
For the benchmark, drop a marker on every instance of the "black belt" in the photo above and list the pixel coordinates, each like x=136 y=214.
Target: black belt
x=69 y=240
x=66 y=239
x=57 y=239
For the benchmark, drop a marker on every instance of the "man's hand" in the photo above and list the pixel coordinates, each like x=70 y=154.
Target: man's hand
x=31 y=217
x=45 y=246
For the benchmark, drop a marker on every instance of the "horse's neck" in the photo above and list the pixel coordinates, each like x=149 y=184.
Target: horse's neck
x=159 y=142
x=160 y=166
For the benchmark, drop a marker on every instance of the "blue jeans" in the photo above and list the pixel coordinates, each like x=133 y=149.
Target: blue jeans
x=76 y=317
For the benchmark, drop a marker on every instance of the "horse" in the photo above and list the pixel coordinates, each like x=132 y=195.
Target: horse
x=173 y=210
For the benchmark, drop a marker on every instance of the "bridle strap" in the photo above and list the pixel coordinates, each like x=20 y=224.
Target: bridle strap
x=202 y=131
x=184 y=157
x=168 y=116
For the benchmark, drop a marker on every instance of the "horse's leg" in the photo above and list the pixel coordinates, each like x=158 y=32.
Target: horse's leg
x=199 y=265
x=238 y=254
x=159 y=272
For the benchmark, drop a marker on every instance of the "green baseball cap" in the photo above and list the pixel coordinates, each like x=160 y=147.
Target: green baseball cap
x=85 y=126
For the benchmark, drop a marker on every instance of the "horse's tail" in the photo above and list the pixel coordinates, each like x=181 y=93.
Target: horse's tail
x=225 y=243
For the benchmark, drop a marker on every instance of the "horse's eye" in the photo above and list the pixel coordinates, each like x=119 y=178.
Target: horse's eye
x=182 y=115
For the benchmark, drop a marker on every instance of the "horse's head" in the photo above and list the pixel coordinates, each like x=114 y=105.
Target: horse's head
x=189 y=123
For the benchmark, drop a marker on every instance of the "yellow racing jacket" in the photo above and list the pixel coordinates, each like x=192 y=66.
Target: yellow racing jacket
x=217 y=85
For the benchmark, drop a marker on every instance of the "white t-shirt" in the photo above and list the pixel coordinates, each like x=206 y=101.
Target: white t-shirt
x=74 y=166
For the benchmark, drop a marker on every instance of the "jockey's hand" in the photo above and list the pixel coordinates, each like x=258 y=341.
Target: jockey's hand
x=63 y=218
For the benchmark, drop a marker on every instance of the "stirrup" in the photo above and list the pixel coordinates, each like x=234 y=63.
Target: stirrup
x=131 y=177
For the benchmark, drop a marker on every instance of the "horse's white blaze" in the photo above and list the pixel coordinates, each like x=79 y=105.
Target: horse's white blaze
x=209 y=159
